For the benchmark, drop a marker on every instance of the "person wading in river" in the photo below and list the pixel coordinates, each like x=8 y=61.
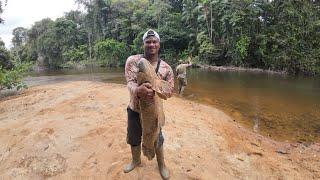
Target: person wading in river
x=151 y=46
x=181 y=73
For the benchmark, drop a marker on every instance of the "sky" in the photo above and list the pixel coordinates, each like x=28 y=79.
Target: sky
x=24 y=13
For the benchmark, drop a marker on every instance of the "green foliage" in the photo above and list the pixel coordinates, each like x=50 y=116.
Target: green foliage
x=13 y=78
x=76 y=54
x=11 y=72
x=184 y=54
x=242 y=46
x=137 y=48
x=5 y=57
x=172 y=36
x=169 y=56
x=19 y=36
x=111 y=52
x=293 y=43
x=207 y=51
x=196 y=60
x=278 y=35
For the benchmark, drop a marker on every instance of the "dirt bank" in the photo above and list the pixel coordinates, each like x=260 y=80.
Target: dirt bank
x=77 y=130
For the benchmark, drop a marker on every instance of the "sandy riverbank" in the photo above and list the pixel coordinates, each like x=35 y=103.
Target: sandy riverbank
x=77 y=130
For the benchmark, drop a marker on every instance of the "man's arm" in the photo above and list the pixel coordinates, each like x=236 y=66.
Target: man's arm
x=170 y=79
x=131 y=76
x=143 y=91
x=189 y=63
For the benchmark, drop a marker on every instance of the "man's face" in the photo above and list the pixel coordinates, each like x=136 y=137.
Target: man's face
x=151 y=45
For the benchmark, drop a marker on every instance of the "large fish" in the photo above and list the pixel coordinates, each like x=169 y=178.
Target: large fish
x=151 y=112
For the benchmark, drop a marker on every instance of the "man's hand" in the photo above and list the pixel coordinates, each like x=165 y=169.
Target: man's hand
x=145 y=91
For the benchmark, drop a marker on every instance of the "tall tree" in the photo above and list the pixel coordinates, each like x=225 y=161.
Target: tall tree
x=190 y=16
x=19 y=36
x=5 y=57
x=2 y=4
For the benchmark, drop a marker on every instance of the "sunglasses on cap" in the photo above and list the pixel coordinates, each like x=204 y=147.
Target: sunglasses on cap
x=150 y=33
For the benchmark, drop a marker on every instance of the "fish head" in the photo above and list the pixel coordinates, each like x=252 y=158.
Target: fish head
x=143 y=65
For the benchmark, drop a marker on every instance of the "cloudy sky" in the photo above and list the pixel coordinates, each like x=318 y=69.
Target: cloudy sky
x=24 y=13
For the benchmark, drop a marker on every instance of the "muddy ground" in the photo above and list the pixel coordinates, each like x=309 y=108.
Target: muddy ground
x=77 y=130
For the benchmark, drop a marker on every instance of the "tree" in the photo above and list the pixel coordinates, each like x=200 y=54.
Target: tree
x=5 y=57
x=11 y=72
x=111 y=52
x=19 y=36
x=2 y=3
x=19 y=40
x=176 y=5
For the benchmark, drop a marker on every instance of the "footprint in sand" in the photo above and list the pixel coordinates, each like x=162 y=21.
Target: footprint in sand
x=25 y=132
x=47 y=130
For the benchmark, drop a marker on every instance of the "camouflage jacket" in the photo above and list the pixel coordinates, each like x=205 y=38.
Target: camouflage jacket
x=131 y=69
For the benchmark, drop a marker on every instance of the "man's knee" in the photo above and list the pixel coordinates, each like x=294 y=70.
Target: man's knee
x=134 y=130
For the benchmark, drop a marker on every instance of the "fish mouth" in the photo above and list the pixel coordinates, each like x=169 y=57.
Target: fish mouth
x=141 y=66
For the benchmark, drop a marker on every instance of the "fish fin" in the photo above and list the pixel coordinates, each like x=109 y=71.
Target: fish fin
x=161 y=95
x=162 y=88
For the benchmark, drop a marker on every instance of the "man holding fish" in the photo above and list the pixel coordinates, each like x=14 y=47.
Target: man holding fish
x=149 y=80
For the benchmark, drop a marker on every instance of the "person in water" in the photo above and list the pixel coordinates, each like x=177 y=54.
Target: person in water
x=181 y=73
x=151 y=46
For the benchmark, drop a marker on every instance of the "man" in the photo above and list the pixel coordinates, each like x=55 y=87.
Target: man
x=181 y=73
x=151 y=46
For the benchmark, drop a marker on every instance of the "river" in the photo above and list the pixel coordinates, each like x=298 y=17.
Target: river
x=282 y=107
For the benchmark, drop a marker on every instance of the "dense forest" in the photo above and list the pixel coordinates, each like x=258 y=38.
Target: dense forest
x=280 y=35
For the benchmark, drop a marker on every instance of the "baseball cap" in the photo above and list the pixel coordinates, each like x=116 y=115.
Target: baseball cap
x=149 y=33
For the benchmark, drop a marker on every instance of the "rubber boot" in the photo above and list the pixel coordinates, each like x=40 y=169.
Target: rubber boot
x=164 y=172
x=136 y=160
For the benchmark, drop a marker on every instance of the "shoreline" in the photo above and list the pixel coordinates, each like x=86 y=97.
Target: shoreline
x=240 y=69
x=86 y=64
x=201 y=142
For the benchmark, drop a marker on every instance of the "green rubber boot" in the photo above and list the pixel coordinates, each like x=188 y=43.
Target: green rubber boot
x=164 y=172
x=136 y=160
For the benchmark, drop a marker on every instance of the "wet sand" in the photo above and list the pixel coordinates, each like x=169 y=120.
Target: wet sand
x=77 y=130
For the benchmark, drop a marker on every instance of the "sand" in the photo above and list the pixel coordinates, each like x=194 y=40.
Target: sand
x=77 y=130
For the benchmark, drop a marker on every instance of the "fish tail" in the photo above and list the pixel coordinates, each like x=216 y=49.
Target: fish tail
x=149 y=153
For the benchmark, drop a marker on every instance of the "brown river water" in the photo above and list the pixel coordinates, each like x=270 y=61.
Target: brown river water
x=281 y=107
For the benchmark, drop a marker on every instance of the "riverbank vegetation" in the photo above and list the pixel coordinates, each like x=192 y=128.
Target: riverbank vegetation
x=11 y=72
x=280 y=35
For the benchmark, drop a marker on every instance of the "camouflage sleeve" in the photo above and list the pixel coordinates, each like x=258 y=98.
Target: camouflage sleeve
x=170 y=79
x=131 y=76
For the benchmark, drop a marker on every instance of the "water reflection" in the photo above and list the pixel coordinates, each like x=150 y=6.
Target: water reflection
x=284 y=108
